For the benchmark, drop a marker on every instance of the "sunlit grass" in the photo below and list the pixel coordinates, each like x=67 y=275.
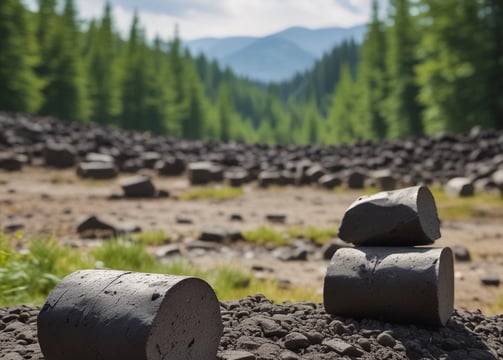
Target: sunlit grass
x=266 y=235
x=497 y=306
x=316 y=235
x=29 y=269
x=212 y=193
x=457 y=208
x=157 y=237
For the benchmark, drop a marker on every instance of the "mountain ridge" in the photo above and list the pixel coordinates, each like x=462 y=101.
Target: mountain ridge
x=276 y=57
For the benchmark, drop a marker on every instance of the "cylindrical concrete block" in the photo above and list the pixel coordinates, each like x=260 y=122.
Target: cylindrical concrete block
x=405 y=217
x=398 y=284
x=108 y=314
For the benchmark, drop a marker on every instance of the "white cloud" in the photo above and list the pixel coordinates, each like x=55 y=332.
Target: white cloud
x=219 y=18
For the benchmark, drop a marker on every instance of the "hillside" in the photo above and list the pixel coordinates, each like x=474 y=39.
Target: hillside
x=277 y=57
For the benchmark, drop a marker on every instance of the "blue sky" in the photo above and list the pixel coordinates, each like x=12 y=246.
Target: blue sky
x=220 y=18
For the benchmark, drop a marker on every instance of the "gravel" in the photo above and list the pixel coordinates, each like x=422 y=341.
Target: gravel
x=255 y=328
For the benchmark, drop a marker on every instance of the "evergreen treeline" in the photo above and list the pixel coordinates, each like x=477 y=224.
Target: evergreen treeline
x=427 y=66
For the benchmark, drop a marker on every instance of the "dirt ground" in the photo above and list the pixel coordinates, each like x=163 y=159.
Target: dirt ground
x=53 y=201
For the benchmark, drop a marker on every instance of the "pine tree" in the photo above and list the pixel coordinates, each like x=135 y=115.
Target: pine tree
x=453 y=75
x=340 y=125
x=65 y=89
x=19 y=85
x=402 y=110
x=371 y=81
x=102 y=70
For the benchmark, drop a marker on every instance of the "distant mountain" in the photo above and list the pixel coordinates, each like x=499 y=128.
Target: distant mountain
x=277 y=57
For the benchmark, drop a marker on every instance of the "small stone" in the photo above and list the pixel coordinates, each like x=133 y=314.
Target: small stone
x=342 y=347
x=236 y=355
x=386 y=339
x=276 y=218
x=289 y=355
x=461 y=253
x=295 y=341
x=490 y=280
x=364 y=344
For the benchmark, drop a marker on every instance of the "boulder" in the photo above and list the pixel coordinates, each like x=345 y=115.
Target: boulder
x=203 y=172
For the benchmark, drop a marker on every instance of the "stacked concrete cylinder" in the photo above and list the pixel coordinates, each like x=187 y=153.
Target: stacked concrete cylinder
x=389 y=274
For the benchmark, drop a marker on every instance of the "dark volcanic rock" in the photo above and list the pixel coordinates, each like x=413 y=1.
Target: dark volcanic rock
x=138 y=186
x=97 y=170
x=12 y=161
x=467 y=335
x=59 y=155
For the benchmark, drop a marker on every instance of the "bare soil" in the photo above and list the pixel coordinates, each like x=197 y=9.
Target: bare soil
x=53 y=201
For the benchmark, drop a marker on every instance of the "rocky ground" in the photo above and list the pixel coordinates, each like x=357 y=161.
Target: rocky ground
x=53 y=200
x=43 y=201
x=255 y=328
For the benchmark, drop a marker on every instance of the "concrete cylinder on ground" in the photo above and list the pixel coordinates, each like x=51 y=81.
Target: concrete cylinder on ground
x=108 y=314
x=405 y=217
x=398 y=284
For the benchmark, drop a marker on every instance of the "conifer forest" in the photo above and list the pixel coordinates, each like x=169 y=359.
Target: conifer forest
x=424 y=67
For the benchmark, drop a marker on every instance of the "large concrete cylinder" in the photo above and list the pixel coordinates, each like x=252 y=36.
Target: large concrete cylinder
x=398 y=284
x=405 y=217
x=107 y=314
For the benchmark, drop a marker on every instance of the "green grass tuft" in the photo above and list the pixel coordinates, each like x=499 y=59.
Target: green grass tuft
x=212 y=193
x=266 y=235
x=28 y=275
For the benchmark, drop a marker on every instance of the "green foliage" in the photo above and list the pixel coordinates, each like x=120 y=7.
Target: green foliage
x=28 y=275
x=454 y=69
x=316 y=235
x=158 y=237
x=340 y=124
x=429 y=66
x=19 y=86
x=266 y=235
x=401 y=108
x=215 y=193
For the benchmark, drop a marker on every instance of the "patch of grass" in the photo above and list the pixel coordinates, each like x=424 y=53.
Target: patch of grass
x=497 y=306
x=266 y=235
x=458 y=208
x=158 y=237
x=212 y=193
x=28 y=275
x=317 y=235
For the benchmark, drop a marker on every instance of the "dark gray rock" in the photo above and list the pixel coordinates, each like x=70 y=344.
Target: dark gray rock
x=204 y=172
x=97 y=170
x=138 y=186
x=276 y=218
x=235 y=355
x=59 y=155
x=489 y=279
x=170 y=166
x=296 y=340
x=386 y=339
x=342 y=347
x=459 y=186
x=330 y=181
x=297 y=253
x=328 y=250
x=461 y=253
x=12 y=161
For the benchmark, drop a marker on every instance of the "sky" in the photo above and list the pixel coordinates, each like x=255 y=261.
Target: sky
x=221 y=18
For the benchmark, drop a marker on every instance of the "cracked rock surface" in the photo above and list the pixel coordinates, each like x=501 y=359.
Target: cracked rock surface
x=255 y=328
